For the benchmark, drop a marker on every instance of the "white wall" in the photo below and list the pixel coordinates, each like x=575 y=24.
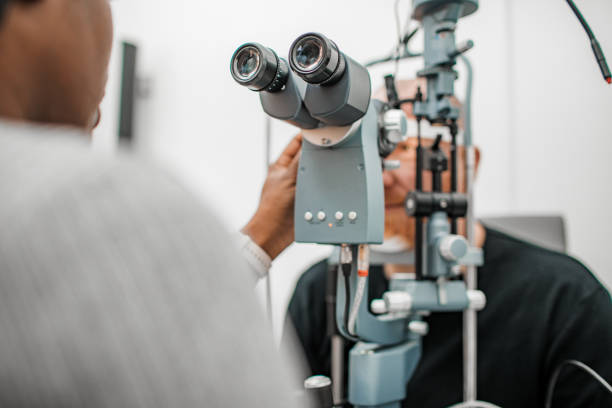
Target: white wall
x=541 y=108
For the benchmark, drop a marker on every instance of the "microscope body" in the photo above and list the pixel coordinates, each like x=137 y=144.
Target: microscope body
x=339 y=194
x=383 y=362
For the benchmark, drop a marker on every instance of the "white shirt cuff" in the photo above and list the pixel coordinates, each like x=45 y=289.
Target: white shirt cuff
x=257 y=259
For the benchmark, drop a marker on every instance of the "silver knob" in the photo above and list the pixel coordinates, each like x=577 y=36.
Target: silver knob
x=397 y=301
x=419 y=327
x=378 y=306
x=477 y=299
x=339 y=216
x=453 y=247
x=395 y=125
x=317 y=381
x=321 y=216
x=391 y=164
x=352 y=215
x=308 y=216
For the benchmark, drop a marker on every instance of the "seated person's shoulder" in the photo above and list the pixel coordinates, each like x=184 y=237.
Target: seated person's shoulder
x=534 y=269
x=310 y=288
x=314 y=275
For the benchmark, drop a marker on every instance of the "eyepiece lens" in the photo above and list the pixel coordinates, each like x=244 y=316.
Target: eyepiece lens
x=246 y=63
x=308 y=53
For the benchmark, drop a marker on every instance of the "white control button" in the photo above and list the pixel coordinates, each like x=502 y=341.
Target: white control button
x=378 y=306
x=339 y=216
x=308 y=216
x=321 y=215
x=419 y=327
x=477 y=299
x=352 y=216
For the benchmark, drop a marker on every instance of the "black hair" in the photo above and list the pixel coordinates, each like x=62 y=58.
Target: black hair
x=3 y=4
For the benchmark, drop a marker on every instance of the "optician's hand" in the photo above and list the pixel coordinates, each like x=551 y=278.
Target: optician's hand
x=272 y=226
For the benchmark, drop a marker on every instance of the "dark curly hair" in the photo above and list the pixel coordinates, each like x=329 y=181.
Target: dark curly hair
x=3 y=4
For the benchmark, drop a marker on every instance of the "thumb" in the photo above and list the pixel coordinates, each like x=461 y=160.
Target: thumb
x=291 y=152
x=294 y=165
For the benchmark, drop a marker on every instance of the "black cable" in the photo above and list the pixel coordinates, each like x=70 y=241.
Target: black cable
x=346 y=272
x=408 y=36
x=330 y=299
x=406 y=52
x=555 y=377
x=581 y=18
x=599 y=55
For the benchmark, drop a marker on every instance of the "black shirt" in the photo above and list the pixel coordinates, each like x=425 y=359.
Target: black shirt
x=543 y=308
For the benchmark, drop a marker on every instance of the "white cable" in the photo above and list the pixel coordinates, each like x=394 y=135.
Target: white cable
x=557 y=373
x=361 y=284
x=363 y=267
x=474 y=404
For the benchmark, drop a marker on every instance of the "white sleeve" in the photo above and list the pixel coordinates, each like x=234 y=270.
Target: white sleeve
x=257 y=259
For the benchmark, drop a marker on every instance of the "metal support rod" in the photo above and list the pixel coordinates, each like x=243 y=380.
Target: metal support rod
x=337 y=370
x=470 y=326
x=469 y=315
x=268 y=135
x=336 y=340
x=454 y=169
x=418 y=241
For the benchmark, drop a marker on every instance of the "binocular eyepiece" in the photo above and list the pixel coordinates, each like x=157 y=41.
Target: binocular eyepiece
x=259 y=68
x=316 y=59
x=312 y=56
x=319 y=86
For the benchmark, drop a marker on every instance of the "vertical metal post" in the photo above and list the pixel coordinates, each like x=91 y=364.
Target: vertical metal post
x=268 y=136
x=469 y=315
x=470 y=325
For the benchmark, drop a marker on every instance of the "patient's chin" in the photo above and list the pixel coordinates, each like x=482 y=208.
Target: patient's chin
x=398 y=224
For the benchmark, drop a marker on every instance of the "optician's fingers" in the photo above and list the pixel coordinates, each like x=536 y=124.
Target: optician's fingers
x=290 y=152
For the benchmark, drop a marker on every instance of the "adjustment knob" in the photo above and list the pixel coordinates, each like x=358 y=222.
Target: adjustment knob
x=319 y=388
x=477 y=299
x=397 y=301
x=453 y=247
x=391 y=164
x=419 y=327
x=339 y=215
x=321 y=216
x=308 y=216
x=395 y=125
x=378 y=306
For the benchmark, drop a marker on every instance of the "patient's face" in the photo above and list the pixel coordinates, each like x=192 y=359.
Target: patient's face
x=398 y=183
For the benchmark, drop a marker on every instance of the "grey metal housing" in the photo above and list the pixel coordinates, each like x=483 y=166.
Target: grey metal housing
x=344 y=102
x=287 y=104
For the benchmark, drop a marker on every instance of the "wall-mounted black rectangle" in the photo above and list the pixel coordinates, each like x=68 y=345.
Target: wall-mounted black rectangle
x=128 y=89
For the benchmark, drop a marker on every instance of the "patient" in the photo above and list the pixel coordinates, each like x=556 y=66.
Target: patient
x=543 y=308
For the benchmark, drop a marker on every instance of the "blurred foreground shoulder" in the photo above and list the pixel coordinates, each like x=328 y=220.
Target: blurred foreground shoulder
x=119 y=288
